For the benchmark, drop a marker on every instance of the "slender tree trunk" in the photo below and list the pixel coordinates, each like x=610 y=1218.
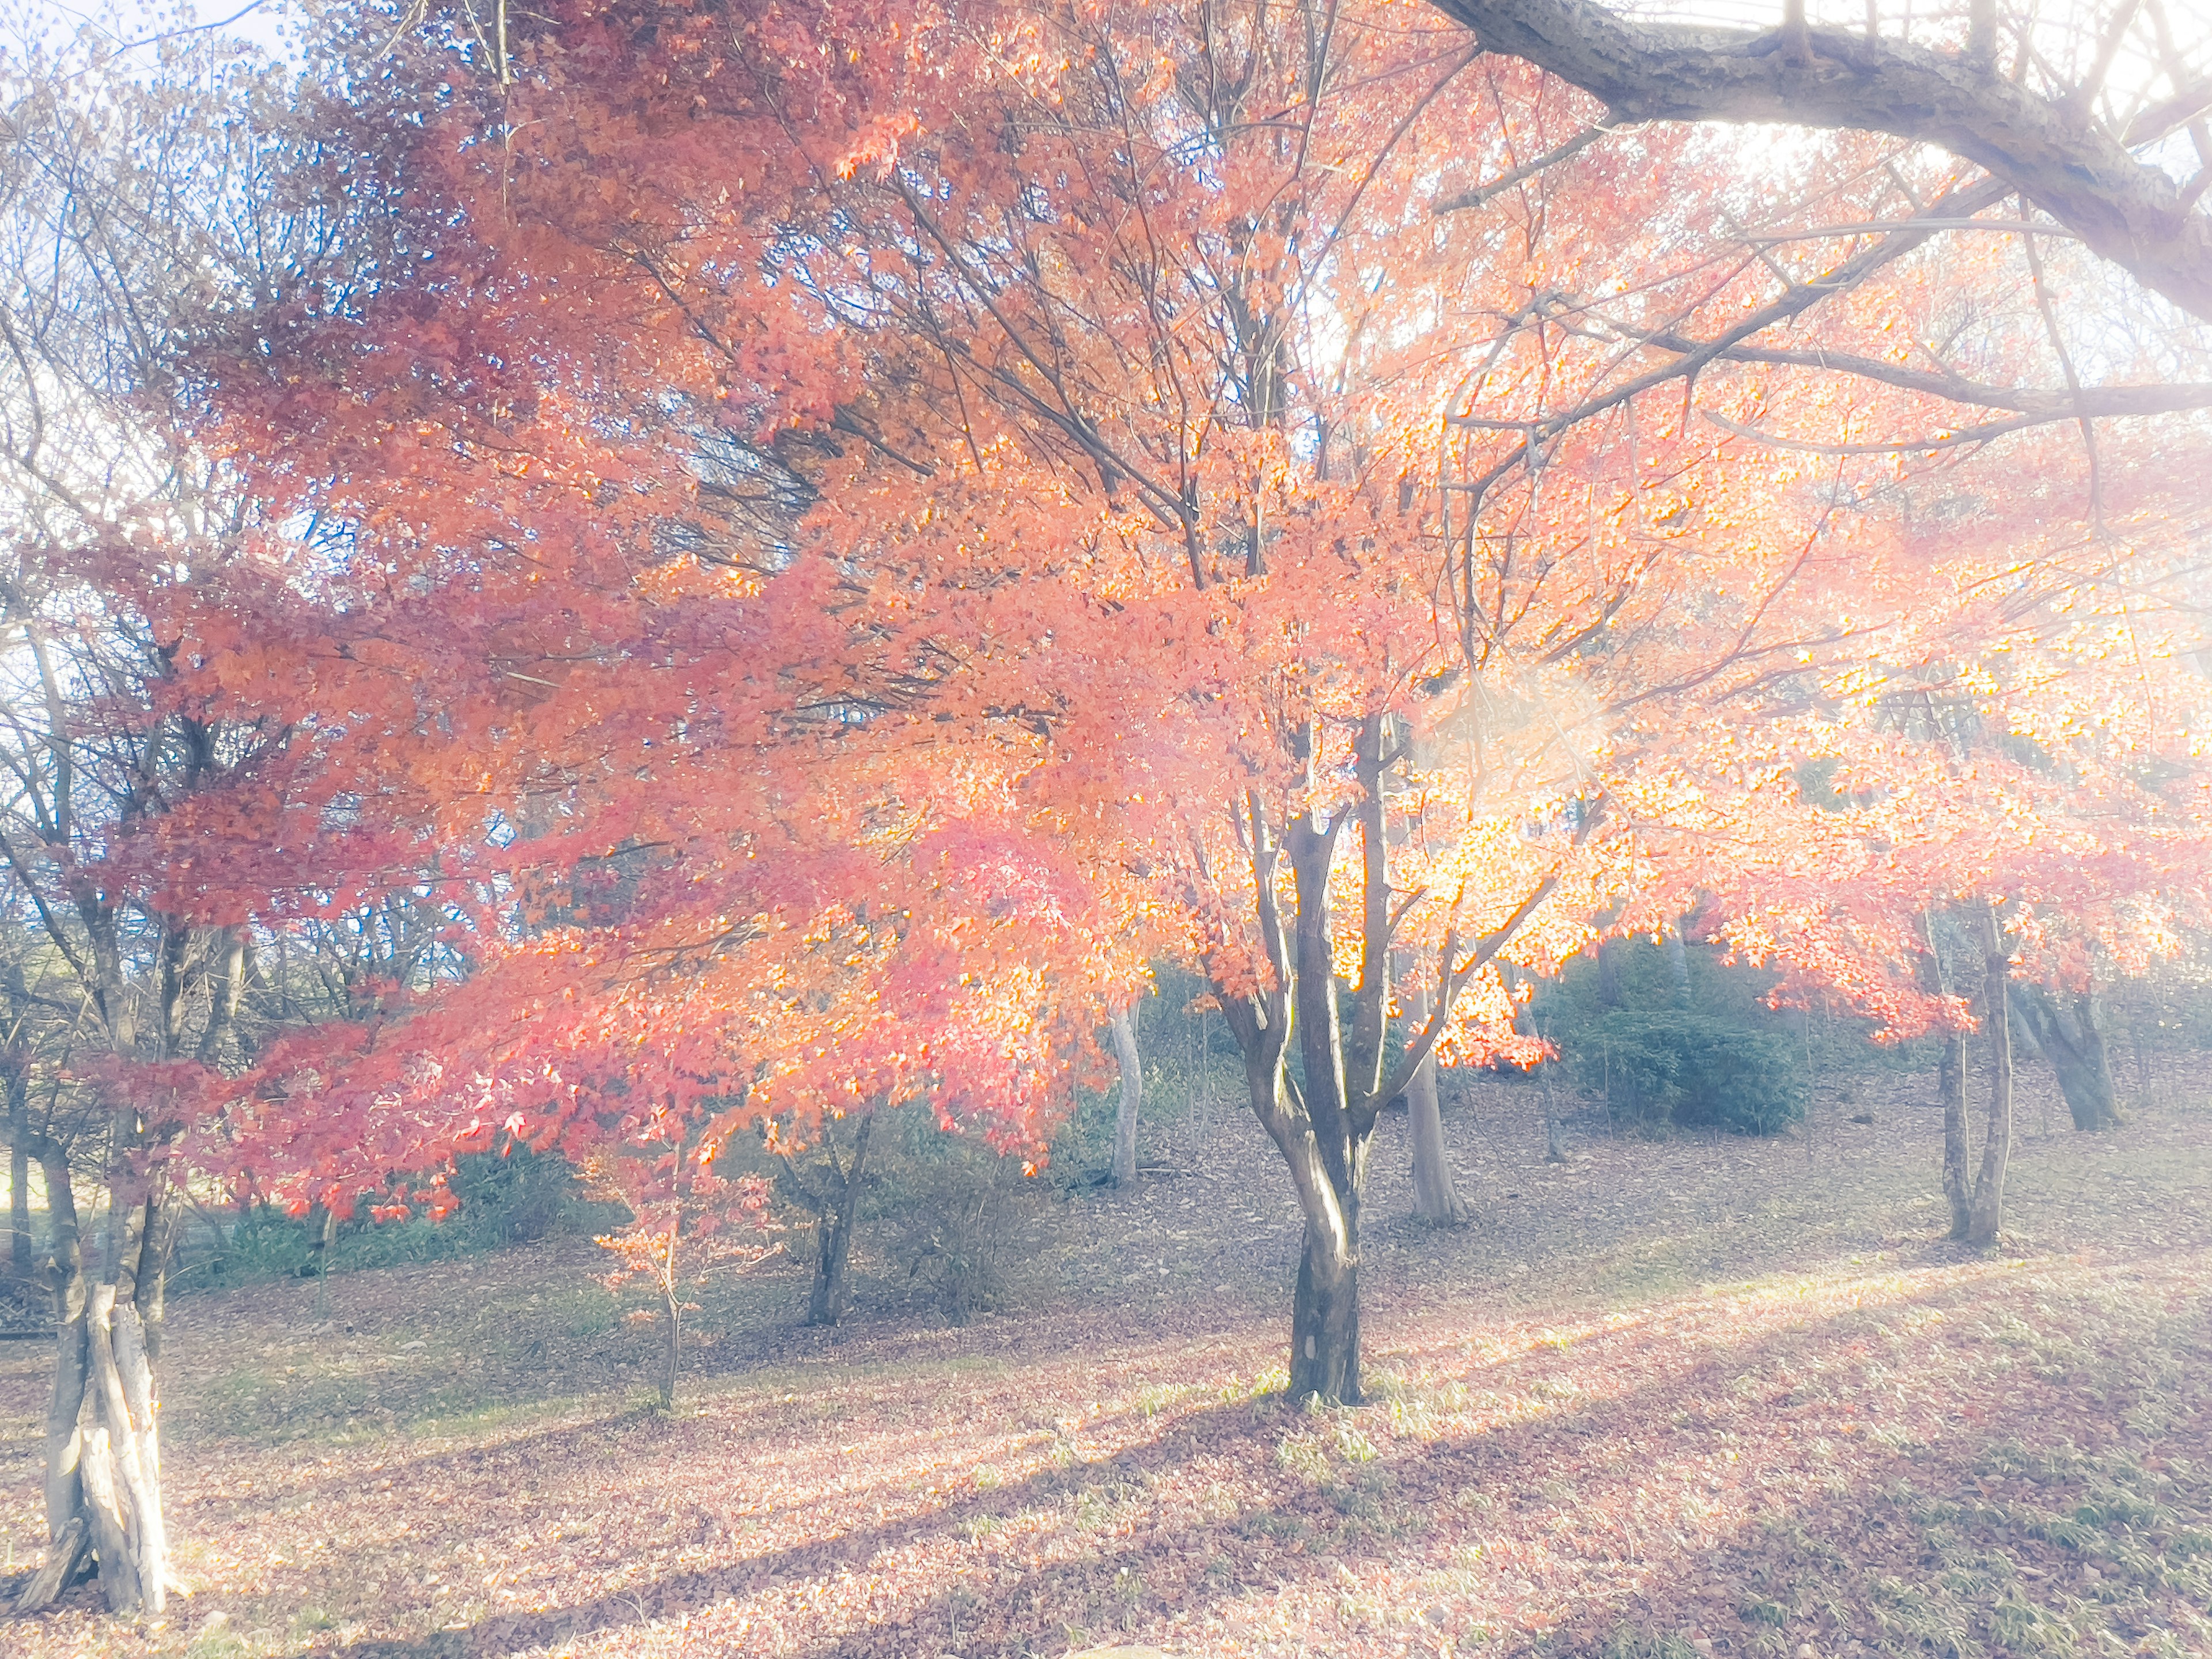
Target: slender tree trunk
x=1133 y=1094
x=835 y=1206
x=830 y=1297
x=20 y=1250
x=1325 y=1306
x=1328 y=1151
x=1436 y=1197
x=672 y=1356
x=1985 y=1212
x=1950 y=1089
x=68 y=1521
x=2072 y=1040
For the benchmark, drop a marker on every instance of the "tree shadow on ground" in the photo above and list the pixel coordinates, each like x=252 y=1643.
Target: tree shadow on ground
x=1300 y=1525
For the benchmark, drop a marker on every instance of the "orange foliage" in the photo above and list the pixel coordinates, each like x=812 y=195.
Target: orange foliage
x=870 y=525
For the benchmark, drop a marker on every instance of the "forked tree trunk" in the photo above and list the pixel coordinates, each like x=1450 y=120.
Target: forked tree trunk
x=1133 y=1095
x=2073 y=1042
x=1985 y=1211
x=836 y=1200
x=1436 y=1197
x=1950 y=1090
x=1322 y=1119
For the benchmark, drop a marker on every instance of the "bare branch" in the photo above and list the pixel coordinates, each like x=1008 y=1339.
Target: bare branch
x=1551 y=158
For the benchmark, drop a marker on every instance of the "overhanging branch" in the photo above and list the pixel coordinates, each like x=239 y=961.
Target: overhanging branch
x=2124 y=210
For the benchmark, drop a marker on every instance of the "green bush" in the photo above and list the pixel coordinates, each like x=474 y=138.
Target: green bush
x=1670 y=1065
x=263 y=1243
x=1695 y=1041
x=1840 y=1042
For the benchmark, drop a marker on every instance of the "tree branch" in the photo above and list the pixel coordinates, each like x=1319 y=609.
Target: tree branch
x=2103 y=403
x=2126 y=210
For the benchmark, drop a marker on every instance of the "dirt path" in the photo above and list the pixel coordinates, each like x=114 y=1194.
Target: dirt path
x=1700 y=1390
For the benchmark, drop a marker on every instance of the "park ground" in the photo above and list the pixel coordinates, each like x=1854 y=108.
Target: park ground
x=1693 y=1395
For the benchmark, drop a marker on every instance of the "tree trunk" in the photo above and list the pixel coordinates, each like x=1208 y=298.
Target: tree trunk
x=1322 y=1119
x=2074 y=1043
x=19 y=1170
x=1950 y=1089
x=1328 y=1151
x=1325 y=1314
x=1436 y=1198
x=128 y=1437
x=834 y=1205
x=1985 y=1212
x=103 y=1480
x=671 y=1357
x=1133 y=1094
x=68 y=1524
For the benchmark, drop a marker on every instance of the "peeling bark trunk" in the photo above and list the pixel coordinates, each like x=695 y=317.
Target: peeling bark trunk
x=1436 y=1198
x=111 y=1527
x=133 y=1439
x=2072 y=1041
x=1133 y=1094
x=1985 y=1211
x=103 y=1478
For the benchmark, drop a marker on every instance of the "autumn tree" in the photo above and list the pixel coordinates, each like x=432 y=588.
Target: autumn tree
x=156 y=828
x=2037 y=810
x=980 y=483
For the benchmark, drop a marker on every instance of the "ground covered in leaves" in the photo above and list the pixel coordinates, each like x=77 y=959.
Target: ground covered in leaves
x=1696 y=1395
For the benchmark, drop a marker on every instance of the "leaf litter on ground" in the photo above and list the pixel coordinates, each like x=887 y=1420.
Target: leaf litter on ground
x=1689 y=1395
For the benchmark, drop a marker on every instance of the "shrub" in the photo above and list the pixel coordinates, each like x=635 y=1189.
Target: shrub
x=1642 y=980
x=943 y=1206
x=1671 y=1066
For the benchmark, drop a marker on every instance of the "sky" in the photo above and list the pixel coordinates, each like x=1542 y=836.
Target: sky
x=135 y=29
x=264 y=23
